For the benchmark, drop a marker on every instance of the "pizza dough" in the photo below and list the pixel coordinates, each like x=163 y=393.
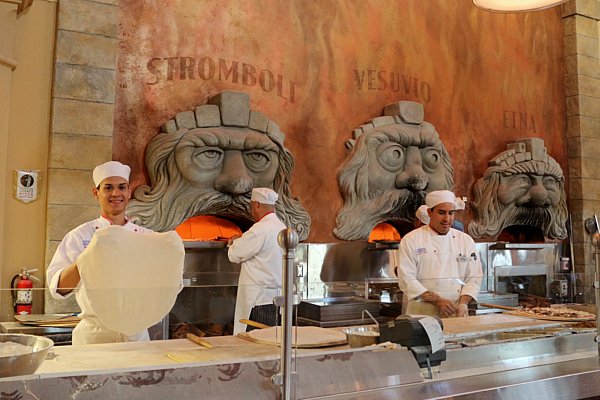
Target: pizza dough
x=131 y=279
x=307 y=336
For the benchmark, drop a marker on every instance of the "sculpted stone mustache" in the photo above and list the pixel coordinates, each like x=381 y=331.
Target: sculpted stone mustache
x=391 y=169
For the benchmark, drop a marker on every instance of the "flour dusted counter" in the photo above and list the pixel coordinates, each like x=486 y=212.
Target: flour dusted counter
x=233 y=368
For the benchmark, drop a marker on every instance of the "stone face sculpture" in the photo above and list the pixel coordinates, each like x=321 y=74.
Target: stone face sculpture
x=396 y=160
x=522 y=186
x=206 y=162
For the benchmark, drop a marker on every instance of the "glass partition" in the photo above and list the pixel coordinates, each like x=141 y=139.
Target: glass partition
x=335 y=282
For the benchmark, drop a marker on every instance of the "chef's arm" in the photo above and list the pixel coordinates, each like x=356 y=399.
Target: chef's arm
x=462 y=309
x=69 y=278
x=465 y=299
x=244 y=247
x=446 y=307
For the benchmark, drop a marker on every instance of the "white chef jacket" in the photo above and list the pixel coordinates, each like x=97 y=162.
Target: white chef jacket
x=445 y=264
x=89 y=330
x=261 y=257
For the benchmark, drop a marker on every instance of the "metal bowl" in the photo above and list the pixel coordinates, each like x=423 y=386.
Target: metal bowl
x=24 y=364
x=361 y=336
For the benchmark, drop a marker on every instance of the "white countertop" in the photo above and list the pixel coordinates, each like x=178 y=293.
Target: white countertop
x=158 y=354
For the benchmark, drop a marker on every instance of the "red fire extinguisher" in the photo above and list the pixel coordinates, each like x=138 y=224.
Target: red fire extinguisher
x=23 y=291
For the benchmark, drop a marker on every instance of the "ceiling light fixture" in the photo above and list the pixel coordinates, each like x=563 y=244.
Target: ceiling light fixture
x=508 y=6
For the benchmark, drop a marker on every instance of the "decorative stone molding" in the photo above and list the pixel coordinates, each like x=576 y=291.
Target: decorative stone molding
x=206 y=162
x=395 y=160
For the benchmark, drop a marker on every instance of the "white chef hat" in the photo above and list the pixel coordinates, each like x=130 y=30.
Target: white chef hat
x=264 y=195
x=438 y=197
x=108 y=169
x=422 y=214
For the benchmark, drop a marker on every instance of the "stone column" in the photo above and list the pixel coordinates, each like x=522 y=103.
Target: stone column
x=582 y=86
x=8 y=15
x=82 y=116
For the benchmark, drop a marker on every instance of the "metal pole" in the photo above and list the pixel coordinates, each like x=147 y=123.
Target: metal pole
x=288 y=240
x=596 y=242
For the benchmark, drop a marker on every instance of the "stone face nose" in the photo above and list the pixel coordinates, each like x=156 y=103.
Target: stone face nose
x=538 y=196
x=234 y=178
x=412 y=176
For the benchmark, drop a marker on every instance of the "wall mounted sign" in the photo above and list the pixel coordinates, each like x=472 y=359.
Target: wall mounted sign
x=25 y=184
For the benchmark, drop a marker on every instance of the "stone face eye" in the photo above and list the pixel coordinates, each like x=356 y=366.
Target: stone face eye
x=550 y=183
x=431 y=159
x=391 y=156
x=257 y=160
x=209 y=157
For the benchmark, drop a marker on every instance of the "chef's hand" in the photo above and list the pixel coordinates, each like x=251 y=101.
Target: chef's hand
x=462 y=310
x=447 y=308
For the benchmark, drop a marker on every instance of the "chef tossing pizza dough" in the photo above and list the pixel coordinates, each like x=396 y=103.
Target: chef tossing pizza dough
x=131 y=280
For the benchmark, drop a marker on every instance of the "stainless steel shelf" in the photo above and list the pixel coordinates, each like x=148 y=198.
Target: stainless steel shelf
x=204 y=245
x=521 y=246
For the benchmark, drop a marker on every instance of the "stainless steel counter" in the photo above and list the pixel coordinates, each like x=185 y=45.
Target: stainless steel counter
x=558 y=367
x=575 y=379
x=562 y=365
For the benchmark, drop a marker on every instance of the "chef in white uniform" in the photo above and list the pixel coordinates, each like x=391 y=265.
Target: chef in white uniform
x=62 y=275
x=439 y=271
x=261 y=258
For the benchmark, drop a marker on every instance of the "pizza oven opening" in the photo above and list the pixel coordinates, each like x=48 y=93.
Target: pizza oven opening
x=206 y=304
x=521 y=234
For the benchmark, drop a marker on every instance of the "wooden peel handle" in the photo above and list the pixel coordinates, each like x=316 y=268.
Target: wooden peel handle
x=198 y=340
x=254 y=324
x=498 y=306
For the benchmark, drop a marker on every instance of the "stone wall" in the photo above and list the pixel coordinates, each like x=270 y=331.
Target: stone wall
x=82 y=115
x=582 y=87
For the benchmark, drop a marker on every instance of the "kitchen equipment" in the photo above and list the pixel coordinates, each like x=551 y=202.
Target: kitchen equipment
x=361 y=336
x=522 y=267
x=337 y=308
x=385 y=290
x=407 y=331
x=24 y=364
x=565 y=264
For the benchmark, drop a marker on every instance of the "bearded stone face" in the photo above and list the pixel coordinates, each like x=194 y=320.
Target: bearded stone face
x=388 y=175
x=228 y=160
x=522 y=189
x=402 y=163
x=200 y=166
x=529 y=190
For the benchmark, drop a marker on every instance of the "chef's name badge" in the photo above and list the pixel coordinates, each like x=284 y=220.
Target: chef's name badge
x=25 y=185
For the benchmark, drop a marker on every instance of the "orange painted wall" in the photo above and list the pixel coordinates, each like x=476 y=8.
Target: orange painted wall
x=485 y=79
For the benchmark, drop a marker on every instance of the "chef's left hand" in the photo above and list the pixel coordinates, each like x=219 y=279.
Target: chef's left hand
x=462 y=310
